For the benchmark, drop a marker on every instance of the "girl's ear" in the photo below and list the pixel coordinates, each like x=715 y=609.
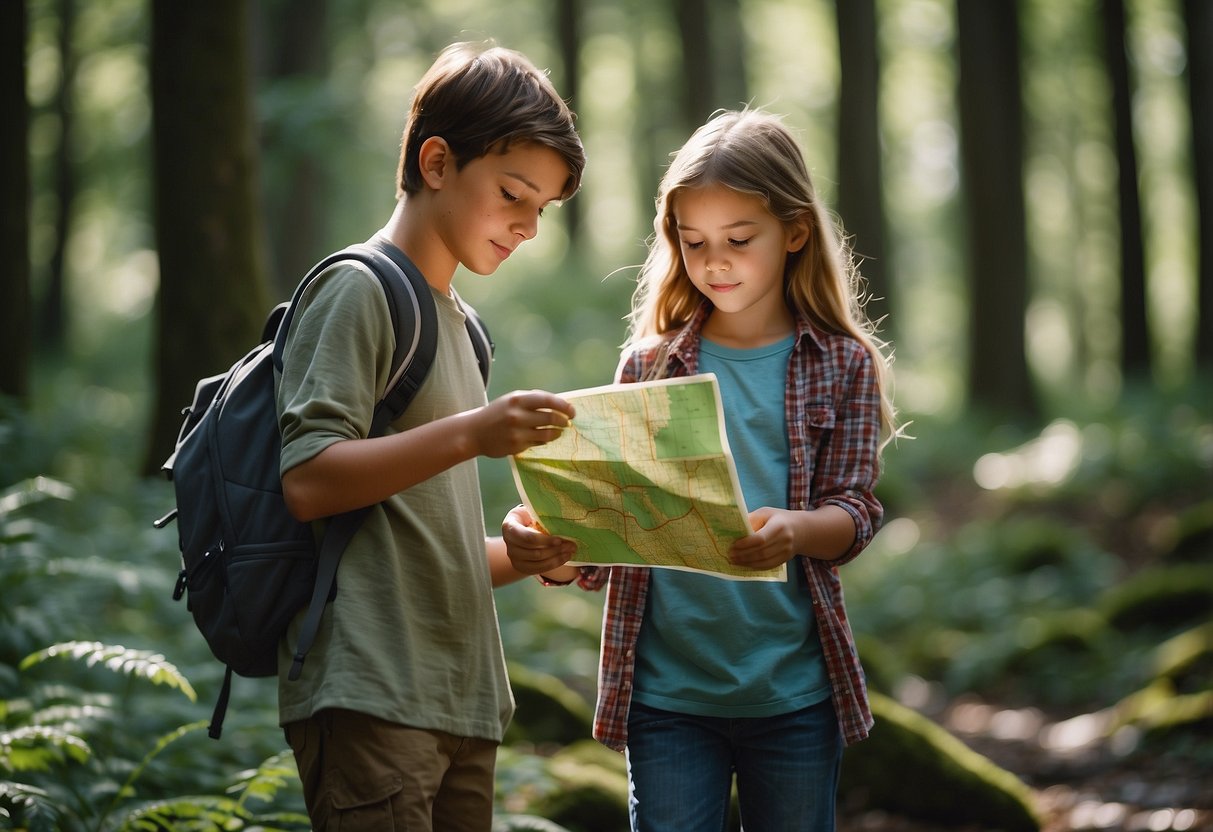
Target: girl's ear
x=434 y=159
x=798 y=234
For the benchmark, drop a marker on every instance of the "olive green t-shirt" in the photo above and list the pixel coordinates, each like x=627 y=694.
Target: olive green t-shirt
x=412 y=634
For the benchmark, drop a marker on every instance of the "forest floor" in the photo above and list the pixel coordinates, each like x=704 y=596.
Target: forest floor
x=1080 y=780
x=1077 y=786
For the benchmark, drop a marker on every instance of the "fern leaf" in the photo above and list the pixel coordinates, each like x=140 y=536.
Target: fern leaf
x=33 y=491
x=36 y=810
x=127 y=661
x=35 y=747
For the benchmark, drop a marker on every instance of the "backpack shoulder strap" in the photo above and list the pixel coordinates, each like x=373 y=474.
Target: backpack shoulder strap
x=482 y=341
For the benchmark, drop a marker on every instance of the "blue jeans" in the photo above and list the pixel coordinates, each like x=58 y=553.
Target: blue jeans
x=680 y=770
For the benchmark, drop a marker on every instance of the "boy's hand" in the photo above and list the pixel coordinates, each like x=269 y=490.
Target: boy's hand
x=520 y=420
x=531 y=550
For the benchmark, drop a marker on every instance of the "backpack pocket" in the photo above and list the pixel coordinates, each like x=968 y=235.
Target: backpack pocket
x=267 y=585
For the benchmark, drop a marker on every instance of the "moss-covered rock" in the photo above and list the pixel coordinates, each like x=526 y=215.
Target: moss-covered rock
x=1161 y=598
x=547 y=710
x=592 y=795
x=912 y=767
x=525 y=823
x=1193 y=535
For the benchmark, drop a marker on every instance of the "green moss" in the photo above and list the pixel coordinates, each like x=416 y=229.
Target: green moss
x=593 y=789
x=547 y=710
x=912 y=767
x=1162 y=597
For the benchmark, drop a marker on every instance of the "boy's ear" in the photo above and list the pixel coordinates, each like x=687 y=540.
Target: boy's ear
x=798 y=234
x=435 y=160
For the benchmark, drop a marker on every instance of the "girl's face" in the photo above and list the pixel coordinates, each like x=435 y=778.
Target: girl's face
x=734 y=250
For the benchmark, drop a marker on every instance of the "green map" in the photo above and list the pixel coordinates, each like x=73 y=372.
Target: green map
x=643 y=477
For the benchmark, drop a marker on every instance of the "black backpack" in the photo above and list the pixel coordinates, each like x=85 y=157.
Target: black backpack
x=248 y=565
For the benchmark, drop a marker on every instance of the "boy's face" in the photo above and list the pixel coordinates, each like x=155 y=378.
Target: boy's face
x=493 y=204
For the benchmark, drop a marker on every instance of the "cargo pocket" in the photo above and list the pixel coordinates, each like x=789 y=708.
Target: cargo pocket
x=365 y=803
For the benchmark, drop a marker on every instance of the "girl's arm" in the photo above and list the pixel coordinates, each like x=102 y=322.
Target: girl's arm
x=826 y=533
x=845 y=513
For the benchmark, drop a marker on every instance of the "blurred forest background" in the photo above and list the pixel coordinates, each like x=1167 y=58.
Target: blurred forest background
x=1029 y=186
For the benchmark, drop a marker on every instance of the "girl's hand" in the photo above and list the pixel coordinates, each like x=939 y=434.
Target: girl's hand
x=531 y=550
x=772 y=543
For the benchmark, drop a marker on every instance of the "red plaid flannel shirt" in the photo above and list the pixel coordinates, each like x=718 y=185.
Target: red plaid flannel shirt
x=833 y=417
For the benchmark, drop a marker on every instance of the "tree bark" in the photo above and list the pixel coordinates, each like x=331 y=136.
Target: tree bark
x=991 y=121
x=698 y=90
x=212 y=300
x=52 y=328
x=860 y=190
x=1134 y=327
x=293 y=43
x=569 y=36
x=1198 y=15
x=15 y=329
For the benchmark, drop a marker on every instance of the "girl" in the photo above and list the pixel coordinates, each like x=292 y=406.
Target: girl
x=703 y=678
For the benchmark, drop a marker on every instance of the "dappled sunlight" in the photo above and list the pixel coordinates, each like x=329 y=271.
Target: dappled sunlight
x=1047 y=460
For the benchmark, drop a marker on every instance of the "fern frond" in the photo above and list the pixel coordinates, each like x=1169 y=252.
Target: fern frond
x=35 y=747
x=32 y=491
x=161 y=744
x=130 y=662
x=36 y=809
x=182 y=814
x=264 y=782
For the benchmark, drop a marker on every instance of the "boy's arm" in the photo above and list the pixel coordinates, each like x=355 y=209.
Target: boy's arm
x=353 y=473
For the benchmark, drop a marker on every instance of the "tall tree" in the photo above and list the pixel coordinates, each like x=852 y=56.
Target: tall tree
x=294 y=61
x=694 y=36
x=991 y=122
x=211 y=303
x=1134 y=327
x=713 y=57
x=860 y=191
x=53 y=312
x=15 y=330
x=569 y=36
x=1198 y=15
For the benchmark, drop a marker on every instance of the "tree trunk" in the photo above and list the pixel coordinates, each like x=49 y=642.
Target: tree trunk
x=569 y=36
x=991 y=121
x=1134 y=326
x=293 y=40
x=15 y=330
x=860 y=191
x=53 y=314
x=1198 y=14
x=698 y=90
x=729 y=55
x=212 y=300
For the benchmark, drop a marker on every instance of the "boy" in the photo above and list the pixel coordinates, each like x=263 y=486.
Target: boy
x=404 y=698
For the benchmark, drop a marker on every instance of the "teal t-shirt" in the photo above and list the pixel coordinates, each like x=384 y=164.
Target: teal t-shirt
x=717 y=647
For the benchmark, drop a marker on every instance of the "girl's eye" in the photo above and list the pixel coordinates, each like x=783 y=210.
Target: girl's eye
x=509 y=197
x=739 y=243
x=692 y=246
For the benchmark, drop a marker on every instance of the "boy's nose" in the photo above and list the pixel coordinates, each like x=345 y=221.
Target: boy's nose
x=527 y=228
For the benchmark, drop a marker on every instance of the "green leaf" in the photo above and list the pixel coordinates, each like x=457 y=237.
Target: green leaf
x=124 y=660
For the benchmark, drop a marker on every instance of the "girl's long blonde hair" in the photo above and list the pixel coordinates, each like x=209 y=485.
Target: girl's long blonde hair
x=752 y=152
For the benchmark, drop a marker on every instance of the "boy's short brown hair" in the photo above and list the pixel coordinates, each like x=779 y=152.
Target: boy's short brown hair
x=481 y=98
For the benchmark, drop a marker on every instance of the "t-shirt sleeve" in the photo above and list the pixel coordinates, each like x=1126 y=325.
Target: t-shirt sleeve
x=336 y=362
